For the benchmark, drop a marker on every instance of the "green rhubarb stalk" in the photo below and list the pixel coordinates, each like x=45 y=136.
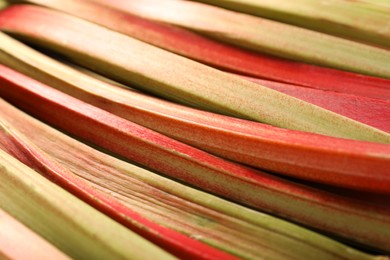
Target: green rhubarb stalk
x=184 y=247
x=263 y=35
x=19 y=242
x=349 y=164
x=224 y=56
x=71 y=225
x=228 y=226
x=171 y=76
x=257 y=189
x=377 y=5
x=362 y=21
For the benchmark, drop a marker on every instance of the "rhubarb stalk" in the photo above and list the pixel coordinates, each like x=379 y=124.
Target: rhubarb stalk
x=19 y=242
x=344 y=163
x=228 y=226
x=68 y=223
x=369 y=111
x=263 y=35
x=178 y=78
x=224 y=56
x=362 y=21
x=253 y=188
x=179 y=245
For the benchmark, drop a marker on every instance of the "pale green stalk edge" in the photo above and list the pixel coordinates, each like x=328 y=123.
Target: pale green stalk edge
x=73 y=226
x=18 y=241
x=282 y=237
x=177 y=78
x=261 y=34
x=367 y=21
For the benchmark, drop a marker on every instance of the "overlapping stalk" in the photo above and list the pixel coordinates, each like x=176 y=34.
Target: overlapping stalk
x=88 y=190
x=249 y=187
x=263 y=35
x=190 y=223
x=20 y=242
x=224 y=56
x=194 y=213
x=366 y=21
x=139 y=64
x=327 y=160
x=365 y=110
x=68 y=223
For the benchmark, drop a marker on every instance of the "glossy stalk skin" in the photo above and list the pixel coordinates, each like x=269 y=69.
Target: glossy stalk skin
x=19 y=242
x=373 y=112
x=175 y=77
x=252 y=188
x=358 y=20
x=263 y=35
x=62 y=219
x=339 y=162
x=224 y=56
x=241 y=231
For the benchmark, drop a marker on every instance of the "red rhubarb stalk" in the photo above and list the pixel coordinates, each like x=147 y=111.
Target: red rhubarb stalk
x=130 y=61
x=224 y=56
x=253 y=188
x=173 y=242
x=345 y=163
x=370 y=111
x=263 y=35
x=238 y=230
x=73 y=226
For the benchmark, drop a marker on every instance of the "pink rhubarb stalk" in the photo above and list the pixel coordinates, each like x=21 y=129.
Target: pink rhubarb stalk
x=173 y=242
x=253 y=188
x=369 y=111
x=263 y=35
x=223 y=56
x=345 y=163
x=19 y=242
x=135 y=62
x=238 y=230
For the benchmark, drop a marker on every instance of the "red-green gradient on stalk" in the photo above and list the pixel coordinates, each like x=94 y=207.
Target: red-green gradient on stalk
x=175 y=77
x=177 y=160
x=224 y=56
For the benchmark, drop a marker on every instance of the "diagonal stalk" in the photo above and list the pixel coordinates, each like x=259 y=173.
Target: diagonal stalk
x=175 y=77
x=224 y=56
x=233 y=228
x=339 y=162
x=220 y=219
x=253 y=188
x=24 y=150
x=19 y=242
x=65 y=221
x=263 y=35
x=362 y=21
x=372 y=112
